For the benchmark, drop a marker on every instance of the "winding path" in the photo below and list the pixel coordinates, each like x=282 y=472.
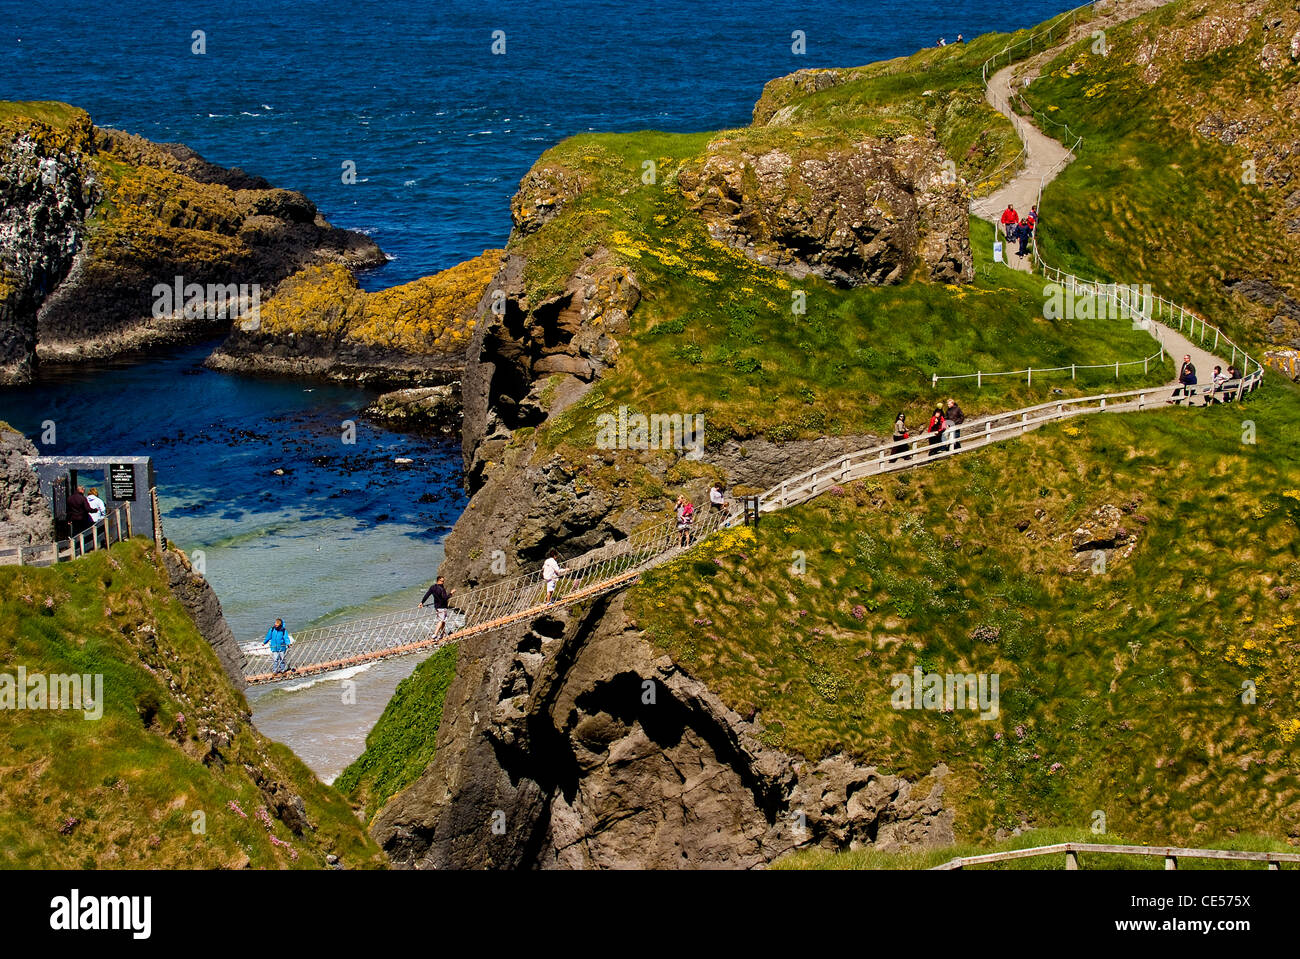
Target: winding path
x=1044 y=158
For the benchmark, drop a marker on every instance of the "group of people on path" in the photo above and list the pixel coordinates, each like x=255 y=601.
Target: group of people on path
x=1219 y=391
x=1015 y=227
x=943 y=428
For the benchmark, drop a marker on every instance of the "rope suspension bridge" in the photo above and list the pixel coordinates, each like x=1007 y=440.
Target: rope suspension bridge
x=341 y=645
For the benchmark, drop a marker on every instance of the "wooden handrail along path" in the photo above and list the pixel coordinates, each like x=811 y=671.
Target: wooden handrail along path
x=492 y=606
x=113 y=528
x=1171 y=855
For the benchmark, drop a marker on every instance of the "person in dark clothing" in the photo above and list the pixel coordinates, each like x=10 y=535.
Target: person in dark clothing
x=1024 y=232
x=955 y=418
x=441 y=604
x=1233 y=384
x=78 y=511
x=1186 y=381
x=936 y=428
x=900 y=437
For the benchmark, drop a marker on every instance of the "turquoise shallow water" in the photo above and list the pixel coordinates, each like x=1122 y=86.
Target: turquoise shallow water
x=343 y=532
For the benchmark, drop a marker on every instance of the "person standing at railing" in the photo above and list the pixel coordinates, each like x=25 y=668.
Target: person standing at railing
x=900 y=437
x=685 y=517
x=1234 y=378
x=936 y=428
x=97 y=508
x=716 y=500
x=441 y=604
x=277 y=637
x=551 y=573
x=78 y=511
x=955 y=417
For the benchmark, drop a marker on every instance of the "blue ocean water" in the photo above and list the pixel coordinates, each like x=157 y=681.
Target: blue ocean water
x=440 y=129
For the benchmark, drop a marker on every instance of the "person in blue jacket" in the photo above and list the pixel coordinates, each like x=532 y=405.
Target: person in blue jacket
x=278 y=638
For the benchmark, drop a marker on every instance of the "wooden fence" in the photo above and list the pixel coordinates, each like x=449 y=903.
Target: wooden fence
x=1171 y=855
x=113 y=528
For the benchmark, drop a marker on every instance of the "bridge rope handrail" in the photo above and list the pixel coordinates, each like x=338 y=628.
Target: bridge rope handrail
x=339 y=645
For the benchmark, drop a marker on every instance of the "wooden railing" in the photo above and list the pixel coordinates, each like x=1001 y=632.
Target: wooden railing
x=113 y=528
x=895 y=455
x=1171 y=855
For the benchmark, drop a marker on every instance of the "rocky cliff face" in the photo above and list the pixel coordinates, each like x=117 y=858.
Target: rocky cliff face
x=571 y=744
x=25 y=517
x=856 y=215
x=47 y=189
x=200 y=601
x=92 y=220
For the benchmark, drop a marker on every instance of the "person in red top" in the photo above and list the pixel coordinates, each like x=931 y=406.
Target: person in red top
x=937 y=425
x=1009 y=219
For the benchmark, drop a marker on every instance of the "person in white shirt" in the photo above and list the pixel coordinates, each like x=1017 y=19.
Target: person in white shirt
x=551 y=572
x=97 y=508
x=716 y=499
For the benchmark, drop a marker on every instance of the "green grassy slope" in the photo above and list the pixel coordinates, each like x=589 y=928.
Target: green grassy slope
x=173 y=774
x=403 y=741
x=1130 y=679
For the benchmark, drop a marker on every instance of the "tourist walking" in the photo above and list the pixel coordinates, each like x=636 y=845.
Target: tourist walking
x=685 y=517
x=1216 y=388
x=551 y=572
x=1009 y=220
x=900 y=437
x=441 y=604
x=955 y=418
x=936 y=428
x=1234 y=383
x=1186 y=381
x=1025 y=232
x=278 y=638
x=716 y=500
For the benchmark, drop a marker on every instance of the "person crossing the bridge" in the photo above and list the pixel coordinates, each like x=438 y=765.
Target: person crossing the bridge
x=551 y=572
x=278 y=638
x=441 y=604
x=685 y=518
